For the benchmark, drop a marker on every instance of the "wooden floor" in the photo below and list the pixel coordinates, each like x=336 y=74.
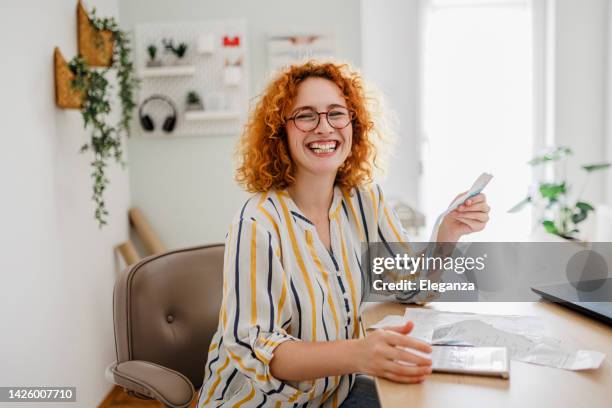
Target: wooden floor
x=117 y=398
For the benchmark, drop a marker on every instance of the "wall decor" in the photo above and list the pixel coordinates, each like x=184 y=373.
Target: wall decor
x=214 y=67
x=65 y=95
x=95 y=44
x=80 y=86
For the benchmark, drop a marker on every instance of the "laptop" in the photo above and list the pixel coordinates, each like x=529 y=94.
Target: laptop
x=590 y=297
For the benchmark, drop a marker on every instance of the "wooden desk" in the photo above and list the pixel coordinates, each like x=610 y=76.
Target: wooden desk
x=529 y=385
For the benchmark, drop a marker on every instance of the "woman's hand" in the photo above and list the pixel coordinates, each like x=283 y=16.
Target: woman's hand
x=382 y=350
x=471 y=216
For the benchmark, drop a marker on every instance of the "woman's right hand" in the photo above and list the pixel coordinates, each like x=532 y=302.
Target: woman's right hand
x=381 y=351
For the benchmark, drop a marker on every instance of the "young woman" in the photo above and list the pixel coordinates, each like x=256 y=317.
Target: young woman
x=289 y=328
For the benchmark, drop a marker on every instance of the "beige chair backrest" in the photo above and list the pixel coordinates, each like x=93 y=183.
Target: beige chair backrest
x=166 y=309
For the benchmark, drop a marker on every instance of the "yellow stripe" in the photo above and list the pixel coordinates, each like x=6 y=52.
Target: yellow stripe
x=319 y=265
x=223 y=312
x=349 y=277
x=281 y=301
x=260 y=377
x=300 y=262
x=374 y=203
x=245 y=399
x=278 y=404
x=217 y=380
x=295 y=396
x=359 y=227
x=212 y=347
x=254 y=273
x=279 y=255
x=335 y=399
x=261 y=358
x=270 y=342
x=268 y=215
x=398 y=236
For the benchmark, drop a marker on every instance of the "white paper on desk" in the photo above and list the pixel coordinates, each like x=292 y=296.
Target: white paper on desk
x=543 y=351
x=427 y=320
x=526 y=337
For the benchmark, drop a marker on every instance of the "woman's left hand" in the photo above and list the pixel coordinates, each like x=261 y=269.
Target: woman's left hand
x=471 y=216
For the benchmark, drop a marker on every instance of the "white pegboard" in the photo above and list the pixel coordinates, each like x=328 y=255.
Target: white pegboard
x=225 y=105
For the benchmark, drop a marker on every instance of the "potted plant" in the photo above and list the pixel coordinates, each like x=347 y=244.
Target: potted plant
x=193 y=101
x=562 y=212
x=106 y=137
x=152 y=52
x=179 y=51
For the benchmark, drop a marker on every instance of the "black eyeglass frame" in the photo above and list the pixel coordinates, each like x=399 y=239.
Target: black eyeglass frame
x=326 y=113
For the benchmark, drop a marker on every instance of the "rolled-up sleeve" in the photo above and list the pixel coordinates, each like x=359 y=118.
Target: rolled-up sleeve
x=256 y=308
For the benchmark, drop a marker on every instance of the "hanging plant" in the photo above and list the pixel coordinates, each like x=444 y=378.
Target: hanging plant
x=105 y=141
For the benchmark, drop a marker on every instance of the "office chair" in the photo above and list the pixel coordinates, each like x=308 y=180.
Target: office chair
x=165 y=312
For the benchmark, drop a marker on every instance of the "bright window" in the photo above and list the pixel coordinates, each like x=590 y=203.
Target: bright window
x=477 y=92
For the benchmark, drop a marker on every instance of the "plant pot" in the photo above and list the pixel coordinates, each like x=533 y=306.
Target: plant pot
x=154 y=63
x=95 y=46
x=65 y=96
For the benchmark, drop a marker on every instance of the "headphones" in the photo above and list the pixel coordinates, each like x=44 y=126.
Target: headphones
x=147 y=123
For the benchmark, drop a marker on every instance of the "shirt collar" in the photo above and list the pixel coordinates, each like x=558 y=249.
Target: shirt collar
x=294 y=210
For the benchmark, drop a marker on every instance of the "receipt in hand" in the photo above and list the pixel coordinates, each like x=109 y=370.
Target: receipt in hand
x=479 y=185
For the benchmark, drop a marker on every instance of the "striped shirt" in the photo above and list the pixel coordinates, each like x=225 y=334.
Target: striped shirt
x=280 y=284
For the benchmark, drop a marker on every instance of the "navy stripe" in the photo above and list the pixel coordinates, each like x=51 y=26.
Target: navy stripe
x=216 y=358
x=341 y=285
x=344 y=208
x=380 y=195
x=276 y=391
x=243 y=208
x=229 y=381
x=270 y=282
x=301 y=217
x=365 y=280
x=286 y=323
x=333 y=258
x=273 y=205
x=265 y=399
x=384 y=241
x=326 y=385
x=363 y=218
x=323 y=311
x=299 y=308
x=237 y=289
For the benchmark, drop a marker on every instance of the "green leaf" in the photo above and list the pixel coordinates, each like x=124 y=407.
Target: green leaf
x=550 y=227
x=595 y=167
x=519 y=206
x=584 y=207
x=579 y=217
x=551 y=154
x=552 y=190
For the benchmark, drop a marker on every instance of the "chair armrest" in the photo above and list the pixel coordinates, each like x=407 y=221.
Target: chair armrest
x=169 y=387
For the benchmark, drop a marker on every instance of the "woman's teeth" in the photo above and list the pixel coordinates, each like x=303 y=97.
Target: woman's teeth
x=326 y=147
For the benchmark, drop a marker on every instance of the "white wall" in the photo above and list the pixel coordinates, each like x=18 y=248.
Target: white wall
x=580 y=111
x=57 y=267
x=609 y=108
x=390 y=46
x=185 y=186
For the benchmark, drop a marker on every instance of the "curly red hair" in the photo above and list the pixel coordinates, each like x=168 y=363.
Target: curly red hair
x=263 y=154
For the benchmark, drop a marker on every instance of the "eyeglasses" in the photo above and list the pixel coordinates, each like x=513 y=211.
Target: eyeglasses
x=307 y=119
